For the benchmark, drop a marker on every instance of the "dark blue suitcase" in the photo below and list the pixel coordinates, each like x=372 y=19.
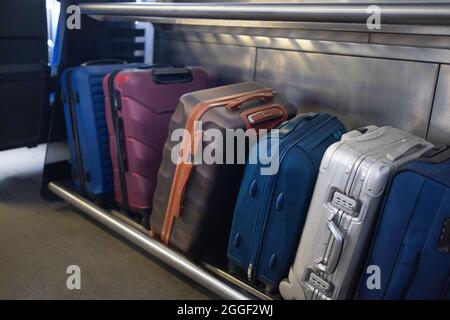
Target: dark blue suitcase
x=87 y=134
x=411 y=246
x=271 y=209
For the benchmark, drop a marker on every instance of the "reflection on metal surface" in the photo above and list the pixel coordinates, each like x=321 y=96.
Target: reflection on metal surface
x=412 y=40
x=130 y=222
x=345 y=36
x=225 y=64
x=156 y=249
x=350 y=27
x=439 y=130
x=319 y=46
x=360 y=91
x=341 y=12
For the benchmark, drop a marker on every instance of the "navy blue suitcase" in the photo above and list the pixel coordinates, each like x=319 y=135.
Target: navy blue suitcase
x=411 y=247
x=87 y=134
x=271 y=209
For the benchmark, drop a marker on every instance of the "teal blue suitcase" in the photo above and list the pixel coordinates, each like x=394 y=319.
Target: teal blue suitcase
x=411 y=248
x=271 y=209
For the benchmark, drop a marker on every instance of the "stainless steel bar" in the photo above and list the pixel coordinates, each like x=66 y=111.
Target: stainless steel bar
x=156 y=249
x=285 y=25
x=342 y=12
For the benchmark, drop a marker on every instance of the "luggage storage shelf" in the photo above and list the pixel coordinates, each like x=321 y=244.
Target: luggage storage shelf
x=214 y=279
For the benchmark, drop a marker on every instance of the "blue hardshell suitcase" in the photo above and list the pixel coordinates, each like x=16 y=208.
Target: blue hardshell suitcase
x=87 y=135
x=411 y=247
x=271 y=209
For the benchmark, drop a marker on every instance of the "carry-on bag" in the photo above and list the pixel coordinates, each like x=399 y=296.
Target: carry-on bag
x=410 y=255
x=271 y=209
x=87 y=135
x=194 y=202
x=143 y=100
x=353 y=177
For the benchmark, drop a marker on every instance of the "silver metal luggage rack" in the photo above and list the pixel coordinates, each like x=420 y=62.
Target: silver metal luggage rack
x=397 y=18
x=348 y=16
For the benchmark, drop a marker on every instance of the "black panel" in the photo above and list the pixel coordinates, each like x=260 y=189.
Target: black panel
x=24 y=73
x=22 y=18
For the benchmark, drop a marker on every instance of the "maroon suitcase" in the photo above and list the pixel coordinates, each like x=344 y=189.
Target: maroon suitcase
x=143 y=100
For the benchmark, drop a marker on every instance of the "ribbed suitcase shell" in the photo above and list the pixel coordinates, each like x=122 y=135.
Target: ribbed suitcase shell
x=211 y=192
x=82 y=87
x=146 y=105
x=412 y=243
x=353 y=177
x=271 y=209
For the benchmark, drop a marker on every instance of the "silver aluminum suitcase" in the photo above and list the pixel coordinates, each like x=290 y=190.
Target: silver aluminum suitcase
x=353 y=177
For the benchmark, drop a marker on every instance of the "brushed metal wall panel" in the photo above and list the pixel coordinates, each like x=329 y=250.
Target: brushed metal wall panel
x=177 y=31
x=439 y=131
x=360 y=91
x=334 y=47
x=428 y=41
x=226 y=64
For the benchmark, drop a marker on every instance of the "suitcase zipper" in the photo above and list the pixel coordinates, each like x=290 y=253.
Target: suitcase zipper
x=76 y=139
x=115 y=105
x=287 y=143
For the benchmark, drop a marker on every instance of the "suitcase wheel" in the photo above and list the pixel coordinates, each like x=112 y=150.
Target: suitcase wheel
x=145 y=221
x=269 y=289
x=233 y=268
x=286 y=290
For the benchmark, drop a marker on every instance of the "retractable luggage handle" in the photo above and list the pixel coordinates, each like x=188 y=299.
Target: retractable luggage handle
x=174 y=75
x=151 y=66
x=114 y=105
x=183 y=170
x=103 y=62
x=408 y=146
x=437 y=154
x=81 y=174
x=293 y=123
x=364 y=133
x=335 y=254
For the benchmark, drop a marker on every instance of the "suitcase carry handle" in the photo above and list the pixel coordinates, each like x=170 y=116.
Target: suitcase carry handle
x=408 y=146
x=103 y=62
x=236 y=104
x=152 y=66
x=437 y=154
x=336 y=252
x=293 y=123
x=172 y=76
x=363 y=132
x=265 y=115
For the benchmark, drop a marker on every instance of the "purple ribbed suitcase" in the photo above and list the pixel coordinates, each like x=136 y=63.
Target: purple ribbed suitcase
x=143 y=100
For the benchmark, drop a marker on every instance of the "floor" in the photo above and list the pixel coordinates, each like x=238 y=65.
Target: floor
x=39 y=240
